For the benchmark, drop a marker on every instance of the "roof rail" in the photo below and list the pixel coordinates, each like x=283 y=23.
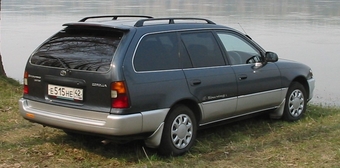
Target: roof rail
x=140 y=23
x=114 y=17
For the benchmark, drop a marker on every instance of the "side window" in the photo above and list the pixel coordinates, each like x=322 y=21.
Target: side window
x=203 y=49
x=157 y=52
x=238 y=50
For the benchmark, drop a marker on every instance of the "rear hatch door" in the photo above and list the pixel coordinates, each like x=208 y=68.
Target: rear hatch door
x=73 y=68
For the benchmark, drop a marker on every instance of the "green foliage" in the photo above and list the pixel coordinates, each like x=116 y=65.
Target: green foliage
x=9 y=82
x=10 y=91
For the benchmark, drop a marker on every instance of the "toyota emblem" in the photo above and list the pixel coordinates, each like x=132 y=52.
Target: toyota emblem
x=63 y=73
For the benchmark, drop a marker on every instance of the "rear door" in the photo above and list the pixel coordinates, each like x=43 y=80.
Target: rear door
x=72 y=68
x=209 y=79
x=258 y=86
x=155 y=78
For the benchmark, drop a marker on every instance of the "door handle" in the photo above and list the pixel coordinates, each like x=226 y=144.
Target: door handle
x=195 y=82
x=242 y=77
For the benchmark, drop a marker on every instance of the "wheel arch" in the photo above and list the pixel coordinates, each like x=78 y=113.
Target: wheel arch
x=193 y=105
x=278 y=113
x=155 y=139
x=303 y=81
x=178 y=134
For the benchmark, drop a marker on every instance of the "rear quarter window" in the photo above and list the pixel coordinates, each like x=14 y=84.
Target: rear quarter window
x=87 y=49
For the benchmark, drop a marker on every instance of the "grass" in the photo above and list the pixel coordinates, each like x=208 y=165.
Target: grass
x=313 y=141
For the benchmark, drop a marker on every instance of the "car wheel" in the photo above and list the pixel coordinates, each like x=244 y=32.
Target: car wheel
x=69 y=133
x=179 y=131
x=296 y=102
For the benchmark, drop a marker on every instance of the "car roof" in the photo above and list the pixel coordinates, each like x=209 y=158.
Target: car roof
x=128 y=22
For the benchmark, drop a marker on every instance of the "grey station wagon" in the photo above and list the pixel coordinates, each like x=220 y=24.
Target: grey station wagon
x=128 y=77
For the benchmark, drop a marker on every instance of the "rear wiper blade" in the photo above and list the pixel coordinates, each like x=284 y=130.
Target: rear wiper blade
x=60 y=60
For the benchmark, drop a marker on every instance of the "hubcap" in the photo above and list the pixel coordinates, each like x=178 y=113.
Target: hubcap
x=296 y=103
x=181 y=131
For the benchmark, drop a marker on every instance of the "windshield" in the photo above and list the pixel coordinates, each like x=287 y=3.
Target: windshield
x=79 y=48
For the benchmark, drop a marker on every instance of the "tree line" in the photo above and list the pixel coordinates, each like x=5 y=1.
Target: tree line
x=2 y=70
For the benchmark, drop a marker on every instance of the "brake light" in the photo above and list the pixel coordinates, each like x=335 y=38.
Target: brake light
x=119 y=96
x=25 y=90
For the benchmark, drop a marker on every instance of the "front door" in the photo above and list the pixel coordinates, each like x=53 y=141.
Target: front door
x=259 y=84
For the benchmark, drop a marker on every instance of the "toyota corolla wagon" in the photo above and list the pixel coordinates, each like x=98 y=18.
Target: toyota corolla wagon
x=128 y=77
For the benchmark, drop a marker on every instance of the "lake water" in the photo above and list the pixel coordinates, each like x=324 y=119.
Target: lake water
x=303 y=30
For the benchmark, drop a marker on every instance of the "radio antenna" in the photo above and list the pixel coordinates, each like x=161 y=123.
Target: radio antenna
x=242 y=28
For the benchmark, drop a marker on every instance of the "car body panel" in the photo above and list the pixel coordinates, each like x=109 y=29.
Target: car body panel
x=104 y=124
x=216 y=88
x=258 y=88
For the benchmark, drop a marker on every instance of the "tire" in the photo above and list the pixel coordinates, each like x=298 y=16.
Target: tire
x=296 y=102
x=72 y=134
x=179 y=131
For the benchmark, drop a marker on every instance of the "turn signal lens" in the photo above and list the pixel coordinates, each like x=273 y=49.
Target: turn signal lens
x=310 y=75
x=119 y=87
x=30 y=115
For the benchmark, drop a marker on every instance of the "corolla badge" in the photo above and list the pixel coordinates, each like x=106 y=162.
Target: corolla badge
x=99 y=85
x=63 y=73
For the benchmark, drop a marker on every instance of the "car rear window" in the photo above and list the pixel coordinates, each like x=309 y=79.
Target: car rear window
x=89 y=49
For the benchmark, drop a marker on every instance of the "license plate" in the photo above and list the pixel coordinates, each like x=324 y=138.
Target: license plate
x=63 y=92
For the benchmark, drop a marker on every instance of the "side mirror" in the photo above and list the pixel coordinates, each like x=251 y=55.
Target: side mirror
x=271 y=57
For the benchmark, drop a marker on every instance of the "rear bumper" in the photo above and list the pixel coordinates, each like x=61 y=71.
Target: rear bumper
x=91 y=122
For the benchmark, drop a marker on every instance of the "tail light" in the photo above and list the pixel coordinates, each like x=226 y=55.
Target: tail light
x=25 y=83
x=119 y=96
